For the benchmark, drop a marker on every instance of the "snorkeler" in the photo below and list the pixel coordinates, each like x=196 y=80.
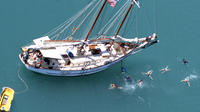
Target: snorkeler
x=149 y=74
x=186 y=80
x=185 y=61
x=128 y=79
x=113 y=86
x=123 y=70
x=163 y=70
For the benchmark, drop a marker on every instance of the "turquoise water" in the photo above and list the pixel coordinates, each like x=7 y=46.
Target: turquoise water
x=177 y=25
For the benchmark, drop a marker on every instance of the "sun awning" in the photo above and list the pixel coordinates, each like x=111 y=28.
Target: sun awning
x=40 y=40
x=51 y=53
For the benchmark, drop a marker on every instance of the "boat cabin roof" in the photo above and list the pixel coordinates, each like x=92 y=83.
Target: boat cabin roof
x=51 y=53
x=40 y=41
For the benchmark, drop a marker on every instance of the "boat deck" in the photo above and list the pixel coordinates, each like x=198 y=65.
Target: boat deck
x=79 y=57
x=87 y=57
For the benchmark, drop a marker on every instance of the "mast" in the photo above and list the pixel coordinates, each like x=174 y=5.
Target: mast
x=131 y=5
x=95 y=19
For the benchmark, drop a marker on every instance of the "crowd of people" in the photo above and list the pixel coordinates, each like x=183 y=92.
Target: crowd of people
x=139 y=82
x=32 y=57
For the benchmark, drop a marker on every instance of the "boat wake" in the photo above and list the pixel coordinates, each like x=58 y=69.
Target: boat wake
x=141 y=99
x=141 y=85
x=193 y=77
x=22 y=80
x=129 y=88
x=132 y=87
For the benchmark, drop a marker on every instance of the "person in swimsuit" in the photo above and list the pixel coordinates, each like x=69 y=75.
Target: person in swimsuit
x=163 y=70
x=186 y=80
x=149 y=74
x=140 y=83
x=113 y=86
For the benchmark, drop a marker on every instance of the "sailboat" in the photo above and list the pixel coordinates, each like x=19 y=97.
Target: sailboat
x=74 y=57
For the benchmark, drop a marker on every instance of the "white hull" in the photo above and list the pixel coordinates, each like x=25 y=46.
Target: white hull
x=76 y=72
x=63 y=56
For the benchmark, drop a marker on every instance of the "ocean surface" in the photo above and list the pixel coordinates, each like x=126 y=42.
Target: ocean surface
x=177 y=24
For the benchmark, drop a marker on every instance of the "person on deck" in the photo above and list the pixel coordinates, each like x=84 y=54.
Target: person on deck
x=25 y=56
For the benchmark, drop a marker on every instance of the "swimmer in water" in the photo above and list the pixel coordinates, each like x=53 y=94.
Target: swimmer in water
x=185 y=61
x=113 y=86
x=149 y=74
x=186 y=80
x=123 y=70
x=128 y=79
x=163 y=70
x=140 y=83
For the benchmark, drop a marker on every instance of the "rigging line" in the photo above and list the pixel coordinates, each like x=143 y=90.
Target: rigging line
x=67 y=26
x=96 y=18
x=124 y=13
x=136 y=22
x=127 y=23
x=62 y=25
x=114 y=17
x=122 y=63
x=22 y=80
x=134 y=18
x=124 y=19
x=74 y=17
x=113 y=22
x=56 y=36
x=70 y=19
x=103 y=29
x=123 y=68
x=102 y=18
x=86 y=17
x=147 y=19
x=154 y=11
x=90 y=24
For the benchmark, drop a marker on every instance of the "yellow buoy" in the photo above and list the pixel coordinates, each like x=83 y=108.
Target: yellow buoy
x=7 y=95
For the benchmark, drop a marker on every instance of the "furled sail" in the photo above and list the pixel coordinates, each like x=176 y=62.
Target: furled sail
x=135 y=40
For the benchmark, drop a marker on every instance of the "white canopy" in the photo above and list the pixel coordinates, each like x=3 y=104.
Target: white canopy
x=51 y=53
x=40 y=41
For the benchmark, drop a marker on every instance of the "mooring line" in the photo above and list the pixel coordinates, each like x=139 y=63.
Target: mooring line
x=22 y=80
